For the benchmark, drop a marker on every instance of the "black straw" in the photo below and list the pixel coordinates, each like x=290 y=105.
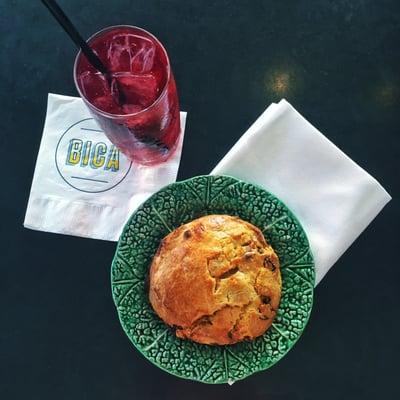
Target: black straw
x=64 y=21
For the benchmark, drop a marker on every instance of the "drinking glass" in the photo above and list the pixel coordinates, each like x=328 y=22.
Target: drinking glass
x=136 y=105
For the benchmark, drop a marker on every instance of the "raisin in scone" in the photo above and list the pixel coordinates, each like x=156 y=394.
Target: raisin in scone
x=216 y=281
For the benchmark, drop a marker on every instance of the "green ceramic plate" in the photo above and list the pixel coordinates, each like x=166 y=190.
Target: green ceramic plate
x=180 y=203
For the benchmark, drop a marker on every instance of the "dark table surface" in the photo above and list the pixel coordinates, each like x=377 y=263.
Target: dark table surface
x=337 y=62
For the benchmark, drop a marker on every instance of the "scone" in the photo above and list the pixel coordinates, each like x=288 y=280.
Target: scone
x=216 y=281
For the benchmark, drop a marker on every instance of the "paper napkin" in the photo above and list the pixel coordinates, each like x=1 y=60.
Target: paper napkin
x=332 y=196
x=77 y=192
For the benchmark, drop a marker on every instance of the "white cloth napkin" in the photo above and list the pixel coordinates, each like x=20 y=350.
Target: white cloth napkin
x=82 y=185
x=333 y=197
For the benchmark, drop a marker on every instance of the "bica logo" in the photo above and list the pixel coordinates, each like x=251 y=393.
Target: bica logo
x=87 y=160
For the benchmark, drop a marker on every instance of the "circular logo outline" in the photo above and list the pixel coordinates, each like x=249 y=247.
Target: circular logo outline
x=70 y=184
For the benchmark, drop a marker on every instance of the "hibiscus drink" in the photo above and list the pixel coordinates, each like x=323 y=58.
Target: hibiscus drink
x=136 y=104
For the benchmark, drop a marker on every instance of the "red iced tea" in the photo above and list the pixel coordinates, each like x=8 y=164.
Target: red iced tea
x=137 y=106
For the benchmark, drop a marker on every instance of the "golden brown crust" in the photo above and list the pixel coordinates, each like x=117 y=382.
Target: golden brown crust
x=216 y=280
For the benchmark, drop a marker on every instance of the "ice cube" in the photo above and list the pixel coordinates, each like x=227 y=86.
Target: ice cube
x=128 y=52
x=143 y=58
x=139 y=90
x=107 y=103
x=119 y=54
x=93 y=84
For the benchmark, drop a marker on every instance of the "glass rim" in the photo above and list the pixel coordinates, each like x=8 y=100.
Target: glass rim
x=117 y=116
